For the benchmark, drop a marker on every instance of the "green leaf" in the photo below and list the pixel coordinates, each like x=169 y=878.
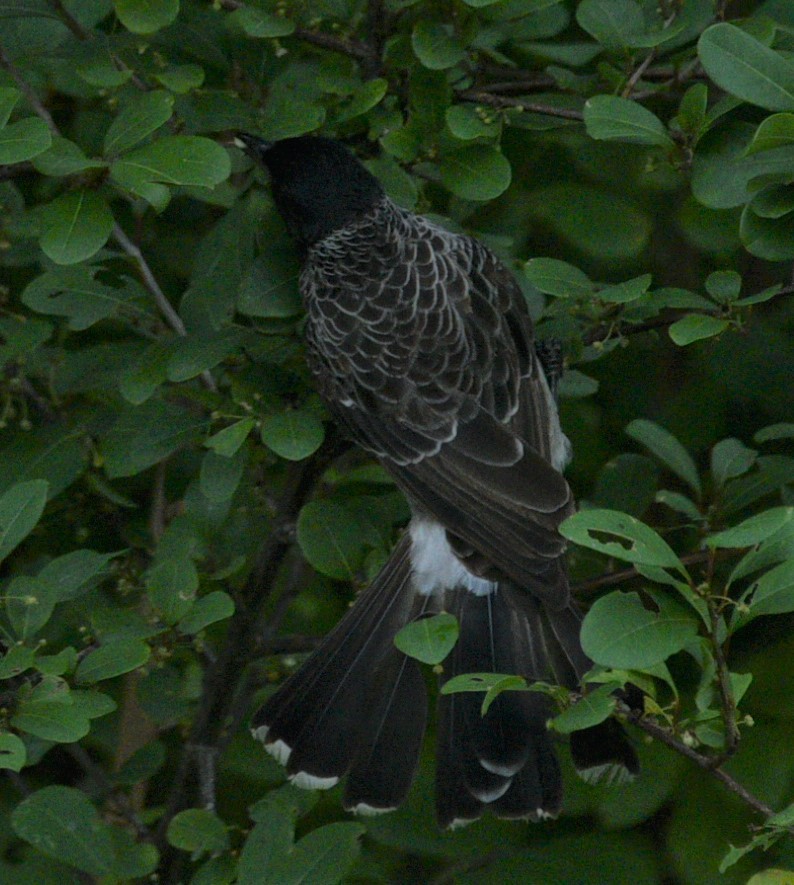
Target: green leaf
x=730 y=458
x=20 y=509
x=193 y=354
x=753 y=530
x=63 y=823
x=681 y=503
x=476 y=172
x=293 y=434
x=64 y=157
x=692 y=110
x=65 y=661
x=267 y=845
x=181 y=78
x=724 y=285
x=622 y=536
x=617 y=24
x=769 y=238
x=13 y=754
x=141 y=116
x=197 y=830
x=146 y=16
x=771 y=594
x=774 y=132
x=743 y=66
x=8 y=101
x=206 y=610
x=484 y=682
x=74 y=292
x=429 y=639
x=227 y=441
x=259 y=24
x=366 y=97
x=51 y=720
x=172 y=583
x=436 y=46
x=74 y=573
x=466 y=123
x=589 y=710
x=620 y=632
x=271 y=287
x=111 y=660
x=75 y=226
x=146 y=434
x=630 y=290
x=16 y=660
x=555 y=277
x=219 y=476
x=29 y=603
x=322 y=857
x=330 y=538
x=695 y=327
x=173 y=160
x=575 y=385
x=783 y=430
x=24 y=140
x=667 y=449
x=610 y=118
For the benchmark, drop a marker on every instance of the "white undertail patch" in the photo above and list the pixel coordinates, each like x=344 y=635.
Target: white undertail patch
x=309 y=782
x=369 y=810
x=435 y=566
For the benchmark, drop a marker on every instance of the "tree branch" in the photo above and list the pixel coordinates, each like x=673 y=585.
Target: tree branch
x=227 y=674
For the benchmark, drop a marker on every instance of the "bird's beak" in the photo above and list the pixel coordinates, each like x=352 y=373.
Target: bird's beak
x=253 y=145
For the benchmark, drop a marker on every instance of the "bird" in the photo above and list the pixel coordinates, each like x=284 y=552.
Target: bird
x=420 y=343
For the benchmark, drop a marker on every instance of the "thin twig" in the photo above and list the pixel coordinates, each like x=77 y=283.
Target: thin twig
x=26 y=89
x=501 y=101
x=164 y=305
x=120 y=801
x=666 y=737
x=224 y=677
x=69 y=20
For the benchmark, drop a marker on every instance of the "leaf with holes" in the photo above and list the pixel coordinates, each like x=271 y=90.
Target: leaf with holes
x=620 y=632
x=622 y=536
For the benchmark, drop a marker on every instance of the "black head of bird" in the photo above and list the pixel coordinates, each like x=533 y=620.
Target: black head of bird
x=317 y=184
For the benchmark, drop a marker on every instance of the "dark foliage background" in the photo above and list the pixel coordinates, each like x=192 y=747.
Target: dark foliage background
x=178 y=522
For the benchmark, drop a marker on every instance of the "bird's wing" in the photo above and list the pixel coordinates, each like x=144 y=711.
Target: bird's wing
x=427 y=356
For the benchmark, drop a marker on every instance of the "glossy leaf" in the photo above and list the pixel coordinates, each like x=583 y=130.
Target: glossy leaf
x=24 y=140
x=747 y=68
x=293 y=434
x=430 y=639
x=667 y=449
x=75 y=226
x=139 y=118
x=622 y=536
x=610 y=118
x=144 y=16
x=620 y=632
x=20 y=509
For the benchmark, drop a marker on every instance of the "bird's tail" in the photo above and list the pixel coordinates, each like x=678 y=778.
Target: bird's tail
x=358 y=706
x=505 y=760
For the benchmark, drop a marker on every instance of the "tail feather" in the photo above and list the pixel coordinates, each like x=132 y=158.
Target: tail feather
x=386 y=761
x=358 y=706
x=317 y=722
x=502 y=757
